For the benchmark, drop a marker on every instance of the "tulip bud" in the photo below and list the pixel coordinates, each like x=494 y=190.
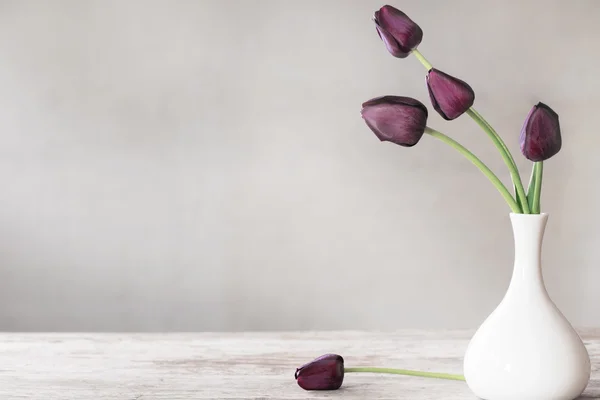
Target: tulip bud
x=323 y=373
x=400 y=120
x=540 y=136
x=449 y=96
x=399 y=33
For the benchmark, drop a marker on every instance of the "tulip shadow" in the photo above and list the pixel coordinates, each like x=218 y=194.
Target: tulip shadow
x=350 y=387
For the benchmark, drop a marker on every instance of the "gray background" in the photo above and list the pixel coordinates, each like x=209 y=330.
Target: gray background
x=202 y=165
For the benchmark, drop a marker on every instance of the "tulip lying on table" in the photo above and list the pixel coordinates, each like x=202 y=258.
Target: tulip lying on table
x=327 y=373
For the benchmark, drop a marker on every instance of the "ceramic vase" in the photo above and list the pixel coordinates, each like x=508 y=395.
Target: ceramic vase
x=526 y=349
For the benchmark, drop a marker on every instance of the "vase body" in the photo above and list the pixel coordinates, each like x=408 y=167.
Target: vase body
x=526 y=349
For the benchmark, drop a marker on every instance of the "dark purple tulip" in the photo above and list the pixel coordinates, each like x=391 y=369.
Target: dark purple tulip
x=400 y=120
x=449 y=96
x=540 y=137
x=323 y=373
x=399 y=33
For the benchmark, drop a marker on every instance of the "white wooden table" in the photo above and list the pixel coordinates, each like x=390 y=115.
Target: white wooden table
x=240 y=366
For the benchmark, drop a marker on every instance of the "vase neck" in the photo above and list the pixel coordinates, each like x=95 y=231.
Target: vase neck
x=528 y=231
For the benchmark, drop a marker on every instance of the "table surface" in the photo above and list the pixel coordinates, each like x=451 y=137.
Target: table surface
x=240 y=366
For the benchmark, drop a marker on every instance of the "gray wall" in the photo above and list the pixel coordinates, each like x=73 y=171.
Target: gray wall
x=202 y=165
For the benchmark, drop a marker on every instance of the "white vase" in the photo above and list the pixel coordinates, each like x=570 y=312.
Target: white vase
x=526 y=349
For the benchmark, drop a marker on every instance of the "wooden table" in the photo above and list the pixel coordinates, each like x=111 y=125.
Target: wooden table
x=240 y=366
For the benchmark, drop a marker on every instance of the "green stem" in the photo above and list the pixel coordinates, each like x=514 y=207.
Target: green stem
x=423 y=60
x=476 y=116
x=537 y=191
x=531 y=187
x=506 y=156
x=406 y=372
x=498 y=142
x=479 y=164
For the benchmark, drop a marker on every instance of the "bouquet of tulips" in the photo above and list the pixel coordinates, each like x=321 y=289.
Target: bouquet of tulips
x=403 y=120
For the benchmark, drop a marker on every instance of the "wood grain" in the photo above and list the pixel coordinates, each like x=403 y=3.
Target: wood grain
x=233 y=365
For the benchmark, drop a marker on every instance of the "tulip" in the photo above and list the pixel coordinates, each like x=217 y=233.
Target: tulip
x=322 y=373
x=398 y=32
x=400 y=120
x=327 y=373
x=449 y=96
x=540 y=136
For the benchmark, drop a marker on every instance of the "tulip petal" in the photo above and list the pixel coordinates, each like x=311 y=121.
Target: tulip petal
x=450 y=96
x=390 y=43
x=394 y=24
x=540 y=136
x=400 y=120
x=323 y=373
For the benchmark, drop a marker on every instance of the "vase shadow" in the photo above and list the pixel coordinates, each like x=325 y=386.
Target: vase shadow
x=593 y=391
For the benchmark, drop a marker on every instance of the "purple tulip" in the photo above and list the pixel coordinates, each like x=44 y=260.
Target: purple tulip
x=449 y=96
x=540 y=136
x=323 y=373
x=399 y=33
x=400 y=120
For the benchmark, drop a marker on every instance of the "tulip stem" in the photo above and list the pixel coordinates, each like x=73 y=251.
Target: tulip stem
x=395 y=371
x=478 y=117
x=506 y=156
x=538 y=168
x=498 y=142
x=479 y=164
x=423 y=60
x=531 y=187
